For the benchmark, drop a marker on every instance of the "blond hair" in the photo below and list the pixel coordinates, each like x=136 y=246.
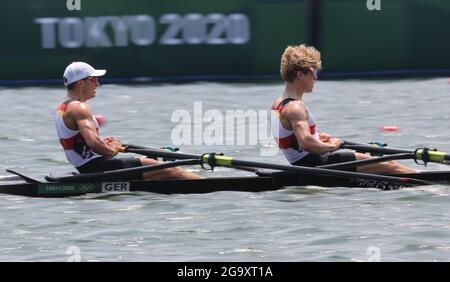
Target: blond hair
x=298 y=58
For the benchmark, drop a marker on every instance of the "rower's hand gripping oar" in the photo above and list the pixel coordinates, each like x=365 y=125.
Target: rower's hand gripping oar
x=423 y=154
x=225 y=161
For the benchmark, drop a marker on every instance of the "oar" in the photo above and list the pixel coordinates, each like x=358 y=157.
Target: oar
x=423 y=154
x=349 y=164
x=131 y=148
x=114 y=174
x=225 y=161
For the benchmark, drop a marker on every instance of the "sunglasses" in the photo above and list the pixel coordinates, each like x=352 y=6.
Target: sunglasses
x=93 y=79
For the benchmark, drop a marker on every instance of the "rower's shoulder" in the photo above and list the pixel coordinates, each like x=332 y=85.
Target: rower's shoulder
x=295 y=105
x=79 y=109
x=78 y=105
x=294 y=102
x=295 y=110
x=275 y=103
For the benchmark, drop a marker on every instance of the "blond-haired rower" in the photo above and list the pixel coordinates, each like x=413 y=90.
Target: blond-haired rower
x=294 y=126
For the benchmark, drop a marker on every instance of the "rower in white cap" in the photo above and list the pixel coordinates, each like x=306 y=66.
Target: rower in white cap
x=78 y=130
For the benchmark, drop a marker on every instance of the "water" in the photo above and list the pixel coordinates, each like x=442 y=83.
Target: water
x=295 y=224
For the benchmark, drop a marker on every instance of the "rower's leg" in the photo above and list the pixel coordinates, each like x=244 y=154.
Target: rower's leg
x=383 y=167
x=168 y=173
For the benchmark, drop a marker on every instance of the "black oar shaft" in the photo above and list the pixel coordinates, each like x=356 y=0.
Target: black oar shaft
x=161 y=153
x=379 y=150
x=367 y=161
x=121 y=172
x=231 y=162
x=330 y=172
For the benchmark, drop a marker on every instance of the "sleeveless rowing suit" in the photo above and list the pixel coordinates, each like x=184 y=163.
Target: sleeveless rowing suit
x=292 y=150
x=285 y=138
x=77 y=151
x=83 y=158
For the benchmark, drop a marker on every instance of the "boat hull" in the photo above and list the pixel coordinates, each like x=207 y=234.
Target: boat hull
x=264 y=182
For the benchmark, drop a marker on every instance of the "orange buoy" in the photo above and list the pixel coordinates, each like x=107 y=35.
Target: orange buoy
x=390 y=128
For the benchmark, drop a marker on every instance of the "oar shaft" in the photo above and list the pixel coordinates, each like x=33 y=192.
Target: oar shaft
x=226 y=161
x=329 y=172
x=373 y=149
x=231 y=162
x=121 y=172
x=161 y=153
x=367 y=161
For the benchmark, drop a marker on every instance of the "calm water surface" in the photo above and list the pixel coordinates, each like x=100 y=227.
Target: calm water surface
x=295 y=224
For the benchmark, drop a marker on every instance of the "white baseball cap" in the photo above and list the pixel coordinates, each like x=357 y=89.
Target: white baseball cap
x=80 y=70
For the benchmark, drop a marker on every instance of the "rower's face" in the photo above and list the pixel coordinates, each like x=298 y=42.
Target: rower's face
x=312 y=74
x=309 y=79
x=90 y=85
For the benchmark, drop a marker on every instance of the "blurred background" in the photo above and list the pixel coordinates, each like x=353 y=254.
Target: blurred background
x=191 y=40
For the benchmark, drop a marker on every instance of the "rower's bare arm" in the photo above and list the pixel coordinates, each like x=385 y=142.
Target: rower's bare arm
x=84 y=119
x=308 y=141
x=296 y=114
